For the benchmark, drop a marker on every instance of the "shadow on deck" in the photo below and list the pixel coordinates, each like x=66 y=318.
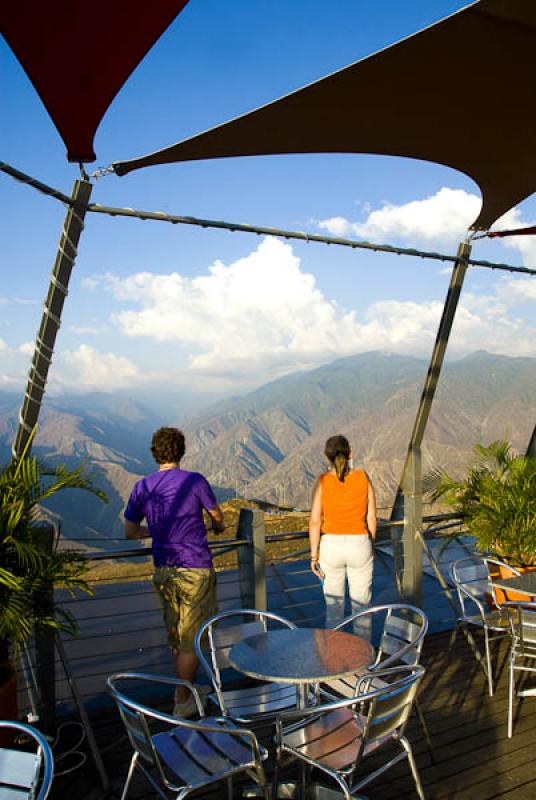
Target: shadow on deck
x=474 y=759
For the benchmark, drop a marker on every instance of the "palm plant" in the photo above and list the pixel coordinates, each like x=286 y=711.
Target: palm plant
x=497 y=499
x=26 y=568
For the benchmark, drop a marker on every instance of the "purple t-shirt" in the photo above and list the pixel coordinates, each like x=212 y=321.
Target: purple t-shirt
x=172 y=502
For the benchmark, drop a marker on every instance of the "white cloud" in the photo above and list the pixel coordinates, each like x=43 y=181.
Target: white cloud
x=88 y=330
x=262 y=316
x=3 y=345
x=86 y=369
x=443 y=217
x=27 y=348
x=90 y=283
x=439 y=220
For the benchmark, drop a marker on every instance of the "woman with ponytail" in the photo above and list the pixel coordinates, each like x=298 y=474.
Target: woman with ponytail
x=344 y=510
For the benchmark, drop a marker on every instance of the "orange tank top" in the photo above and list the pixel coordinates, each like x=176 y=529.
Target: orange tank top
x=344 y=503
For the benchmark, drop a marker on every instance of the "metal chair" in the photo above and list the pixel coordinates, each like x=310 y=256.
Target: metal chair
x=25 y=775
x=337 y=737
x=185 y=755
x=401 y=643
x=219 y=633
x=494 y=566
x=522 y=617
x=471 y=579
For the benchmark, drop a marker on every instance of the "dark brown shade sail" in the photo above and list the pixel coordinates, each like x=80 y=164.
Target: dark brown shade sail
x=79 y=54
x=461 y=93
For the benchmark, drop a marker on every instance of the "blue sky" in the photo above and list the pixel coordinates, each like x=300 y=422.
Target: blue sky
x=154 y=306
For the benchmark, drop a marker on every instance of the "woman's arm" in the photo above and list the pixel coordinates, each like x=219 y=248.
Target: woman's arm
x=371 y=511
x=315 y=522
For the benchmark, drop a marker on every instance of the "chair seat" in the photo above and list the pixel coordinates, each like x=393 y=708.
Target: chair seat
x=257 y=701
x=342 y=687
x=197 y=758
x=333 y=740
x=17 y=771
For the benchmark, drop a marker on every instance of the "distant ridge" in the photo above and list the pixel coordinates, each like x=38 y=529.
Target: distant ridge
x=268 y=444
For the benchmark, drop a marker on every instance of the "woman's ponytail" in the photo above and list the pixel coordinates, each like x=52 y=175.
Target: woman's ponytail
x=341 y=466
x=337 y=450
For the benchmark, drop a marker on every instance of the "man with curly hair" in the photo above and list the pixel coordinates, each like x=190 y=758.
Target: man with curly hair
x=172 y=501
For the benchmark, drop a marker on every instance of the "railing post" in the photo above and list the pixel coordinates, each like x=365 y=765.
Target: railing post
x=45 y=648
x=252 y=559
x=411 y=585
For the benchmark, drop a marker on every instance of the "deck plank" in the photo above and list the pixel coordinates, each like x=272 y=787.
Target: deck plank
x=475 y=760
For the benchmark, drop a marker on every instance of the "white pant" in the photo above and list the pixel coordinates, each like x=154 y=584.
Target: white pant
x=346 y=556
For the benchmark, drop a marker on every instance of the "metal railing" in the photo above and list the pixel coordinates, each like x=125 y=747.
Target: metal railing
x=120 y=626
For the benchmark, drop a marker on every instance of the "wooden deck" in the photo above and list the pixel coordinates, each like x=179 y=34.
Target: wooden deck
x=474 y=759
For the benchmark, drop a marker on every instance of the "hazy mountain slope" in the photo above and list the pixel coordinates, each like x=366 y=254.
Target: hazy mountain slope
x=269 y=443
x=372 y=398
x=107 y=433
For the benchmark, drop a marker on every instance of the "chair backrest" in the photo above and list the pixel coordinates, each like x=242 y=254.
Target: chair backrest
x=390 y=707
x=403 y=632
x=194 y=752
x=26 y=774
x=381 y=715
x=134 y=717
x=403 y=635
x=471 y=579
x=222 y=631
x=522 y=618
x=499 y=569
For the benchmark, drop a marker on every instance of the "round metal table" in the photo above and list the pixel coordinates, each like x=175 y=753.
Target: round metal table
x=302 y=655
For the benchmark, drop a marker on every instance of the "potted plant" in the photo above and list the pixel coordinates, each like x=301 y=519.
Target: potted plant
x=26 y=568
x=497 y=500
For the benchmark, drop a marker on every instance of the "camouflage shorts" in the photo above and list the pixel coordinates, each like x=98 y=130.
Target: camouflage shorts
x=188 y=598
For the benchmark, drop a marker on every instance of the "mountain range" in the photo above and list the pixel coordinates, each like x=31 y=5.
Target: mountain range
x=269 y=443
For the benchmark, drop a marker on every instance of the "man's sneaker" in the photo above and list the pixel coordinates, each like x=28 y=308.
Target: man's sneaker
x=186 y=709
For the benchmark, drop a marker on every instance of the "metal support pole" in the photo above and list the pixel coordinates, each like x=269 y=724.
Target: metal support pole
x=252 y=559
x=436 y=362
x=411 y=584
x=51 y=319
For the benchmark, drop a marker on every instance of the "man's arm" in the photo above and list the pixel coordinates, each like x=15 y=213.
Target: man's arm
x=134 y=530
x=217 y=519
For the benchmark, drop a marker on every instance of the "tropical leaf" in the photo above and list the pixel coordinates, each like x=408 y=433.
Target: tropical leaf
x=497 y=499
x=28 y=569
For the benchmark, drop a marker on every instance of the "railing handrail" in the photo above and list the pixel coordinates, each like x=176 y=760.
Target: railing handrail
x=226 y=545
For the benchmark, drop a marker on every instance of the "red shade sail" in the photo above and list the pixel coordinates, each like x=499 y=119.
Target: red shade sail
x=79 y=54
x=461 y=93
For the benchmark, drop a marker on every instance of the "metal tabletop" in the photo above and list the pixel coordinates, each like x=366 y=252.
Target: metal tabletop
x=522 y=584
x=301 y=656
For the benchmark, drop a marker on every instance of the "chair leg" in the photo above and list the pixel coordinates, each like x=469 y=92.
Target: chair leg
x=453 y=637
x=275 y=778
x=129 y=775
x=413 y=766
x=511 y=691
x=424 y=728
x=229 y=785
x=485 y=663
x=488 y=662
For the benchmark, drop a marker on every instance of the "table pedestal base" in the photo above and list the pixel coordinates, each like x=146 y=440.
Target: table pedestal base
x=292 y=791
